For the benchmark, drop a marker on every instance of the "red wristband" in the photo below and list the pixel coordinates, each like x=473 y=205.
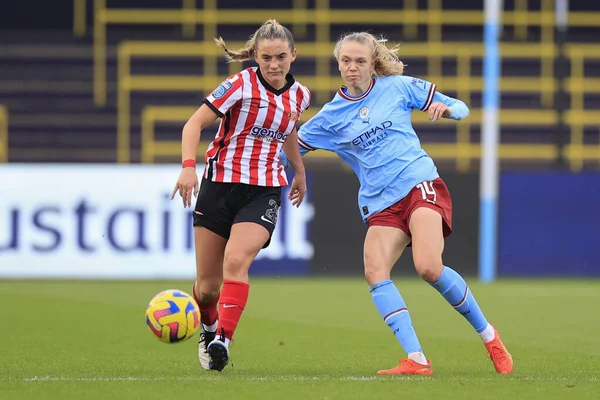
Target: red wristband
x=189 y=163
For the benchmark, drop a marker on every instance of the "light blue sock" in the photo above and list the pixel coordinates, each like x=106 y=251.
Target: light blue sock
x=454 y=289
x=392 y=308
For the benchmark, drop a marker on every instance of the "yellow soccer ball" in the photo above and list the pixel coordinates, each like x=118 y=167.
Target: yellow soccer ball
x=173 y=316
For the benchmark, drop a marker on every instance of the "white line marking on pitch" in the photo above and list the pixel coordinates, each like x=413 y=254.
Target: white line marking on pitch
x=289 y=378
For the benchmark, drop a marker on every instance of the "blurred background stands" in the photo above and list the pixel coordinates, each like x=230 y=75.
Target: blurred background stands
x=114 y=81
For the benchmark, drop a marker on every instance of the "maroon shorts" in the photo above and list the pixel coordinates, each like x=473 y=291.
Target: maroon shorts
x=431 y=194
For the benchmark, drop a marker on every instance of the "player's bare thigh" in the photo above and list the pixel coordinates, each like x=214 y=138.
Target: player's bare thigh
x=427 y=242
x=383 y=247
x=210 y=250
x=245 y=241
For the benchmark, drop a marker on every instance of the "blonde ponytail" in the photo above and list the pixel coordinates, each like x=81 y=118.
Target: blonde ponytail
x=270 y=29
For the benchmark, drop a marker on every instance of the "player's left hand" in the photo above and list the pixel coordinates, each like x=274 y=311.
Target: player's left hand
x=298 y=189
x=438 y=110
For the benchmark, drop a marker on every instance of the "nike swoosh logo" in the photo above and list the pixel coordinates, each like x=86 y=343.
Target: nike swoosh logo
x=261 y=106
x=266 y=220
x=229 y=305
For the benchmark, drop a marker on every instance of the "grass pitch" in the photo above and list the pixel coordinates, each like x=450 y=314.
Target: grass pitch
x=298 y=339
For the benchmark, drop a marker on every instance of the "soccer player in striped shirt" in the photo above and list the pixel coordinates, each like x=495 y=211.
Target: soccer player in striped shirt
x=240 y=195
x=401 y=198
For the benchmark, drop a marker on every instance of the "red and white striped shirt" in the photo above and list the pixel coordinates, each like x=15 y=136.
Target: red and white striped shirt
x=256 y=121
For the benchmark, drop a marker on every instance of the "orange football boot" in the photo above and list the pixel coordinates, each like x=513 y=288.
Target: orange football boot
x=408 y=367
x=501 y=358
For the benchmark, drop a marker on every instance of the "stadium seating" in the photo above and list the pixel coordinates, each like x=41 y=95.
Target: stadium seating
x=120 y=89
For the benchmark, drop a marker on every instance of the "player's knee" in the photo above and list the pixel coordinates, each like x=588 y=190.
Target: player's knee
x=235 y=265
x=207 y=289
x=429 y=268
x=206 y=297
x=375 y=270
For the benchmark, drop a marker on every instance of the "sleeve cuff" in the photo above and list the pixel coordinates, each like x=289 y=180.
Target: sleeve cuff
x=215 y=109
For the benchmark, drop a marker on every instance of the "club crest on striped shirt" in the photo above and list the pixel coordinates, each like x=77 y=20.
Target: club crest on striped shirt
x=222 y=89
x=293 y=116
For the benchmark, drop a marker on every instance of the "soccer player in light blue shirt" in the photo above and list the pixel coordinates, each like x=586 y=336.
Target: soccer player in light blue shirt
x=401 y=196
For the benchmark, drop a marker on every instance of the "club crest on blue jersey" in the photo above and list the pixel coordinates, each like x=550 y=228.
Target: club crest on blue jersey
x=363 y=113
x=222 y=89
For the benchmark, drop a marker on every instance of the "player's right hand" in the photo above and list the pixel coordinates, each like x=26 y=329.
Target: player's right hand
x=438 y=110
x=187 y=184
x=297 y=189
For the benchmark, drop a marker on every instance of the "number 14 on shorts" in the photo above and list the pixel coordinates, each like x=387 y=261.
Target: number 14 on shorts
x=427 y=191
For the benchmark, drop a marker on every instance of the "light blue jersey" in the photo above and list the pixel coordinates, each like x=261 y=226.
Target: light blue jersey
x=373 y=134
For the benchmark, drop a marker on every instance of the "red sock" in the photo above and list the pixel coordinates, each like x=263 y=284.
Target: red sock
x=233 y=301
x=208 y=311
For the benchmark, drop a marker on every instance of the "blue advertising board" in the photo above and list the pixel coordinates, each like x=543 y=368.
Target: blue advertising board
x=549 y=224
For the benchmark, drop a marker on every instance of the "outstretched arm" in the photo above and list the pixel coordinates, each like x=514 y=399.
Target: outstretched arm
x=284 y=159
x=447 y=107
x=292 y=153
x=311 y=136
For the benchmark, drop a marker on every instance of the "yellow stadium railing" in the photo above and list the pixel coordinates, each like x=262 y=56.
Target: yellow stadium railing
x=151 y=148
x=79 y=17
x=576 y=149
x=463 y=131
x=464 y=84
x=521 y=9
x=3 y=134
x=322 y=17
x=463 y=152
x=524 y=19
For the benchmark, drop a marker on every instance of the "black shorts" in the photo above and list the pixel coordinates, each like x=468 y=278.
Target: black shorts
x=220 y=205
